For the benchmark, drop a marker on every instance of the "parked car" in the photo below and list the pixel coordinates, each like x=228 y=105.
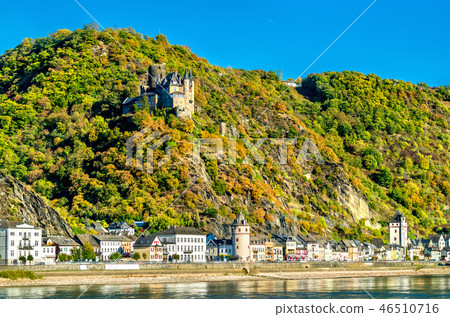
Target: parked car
x=441 y=264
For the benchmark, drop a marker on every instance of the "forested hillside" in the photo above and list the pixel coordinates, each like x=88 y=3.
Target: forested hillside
x=385 y=142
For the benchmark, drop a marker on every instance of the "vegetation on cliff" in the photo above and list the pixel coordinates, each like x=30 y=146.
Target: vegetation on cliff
x=61 y=131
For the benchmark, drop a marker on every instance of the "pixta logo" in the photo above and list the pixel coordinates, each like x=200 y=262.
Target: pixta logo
x=151 y=141
x=213 y=148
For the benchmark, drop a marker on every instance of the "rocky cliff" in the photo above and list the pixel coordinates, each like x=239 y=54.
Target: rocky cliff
x=19 y=202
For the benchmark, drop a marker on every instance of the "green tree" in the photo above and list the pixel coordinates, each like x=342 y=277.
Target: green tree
x=220 y=187
x=212 y=168
x=136 y=256
x=115 y=256
x=62 y=257
x=384 y=177
x=375 y=153
x=408 y=164
x=76 y=254
x=344 y=128
x=22 y=259
x=370 y=162
x=144 y=256
x=88 y=252
x=30 y=258
x=212 y=212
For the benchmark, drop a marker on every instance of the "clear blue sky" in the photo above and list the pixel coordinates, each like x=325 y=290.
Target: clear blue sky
x=401 y=39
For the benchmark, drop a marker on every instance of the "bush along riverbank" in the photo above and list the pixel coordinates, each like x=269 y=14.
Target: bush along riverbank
x=20 y=274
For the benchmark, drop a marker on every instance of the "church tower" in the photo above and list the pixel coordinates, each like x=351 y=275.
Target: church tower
x=398 y=230
x=241 y=238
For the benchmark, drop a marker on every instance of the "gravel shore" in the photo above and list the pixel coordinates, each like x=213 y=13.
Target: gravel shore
x=142 y=277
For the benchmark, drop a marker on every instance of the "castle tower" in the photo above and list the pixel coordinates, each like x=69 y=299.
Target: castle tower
x=241 y=237
x=191 y=90
x=155 y=71
x=398 y=230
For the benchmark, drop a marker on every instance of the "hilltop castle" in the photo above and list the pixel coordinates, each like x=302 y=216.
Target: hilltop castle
x=165 y=91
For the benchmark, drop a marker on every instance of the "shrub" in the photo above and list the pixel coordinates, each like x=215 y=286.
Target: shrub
x=384 y=177
x=16 y=274
x=220 y=187
x=370 y=162
x=212 y=212
x=136 y=256
x=115 y=256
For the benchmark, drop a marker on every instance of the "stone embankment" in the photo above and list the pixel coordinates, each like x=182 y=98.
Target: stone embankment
x=70 y=274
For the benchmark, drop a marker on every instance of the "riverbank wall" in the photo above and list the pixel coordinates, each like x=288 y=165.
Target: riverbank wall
x=226 y=266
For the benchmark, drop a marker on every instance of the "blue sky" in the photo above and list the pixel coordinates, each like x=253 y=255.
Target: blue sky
x=408 y=40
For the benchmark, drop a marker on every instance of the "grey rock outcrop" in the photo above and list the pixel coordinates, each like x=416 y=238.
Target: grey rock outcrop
x=18 y=202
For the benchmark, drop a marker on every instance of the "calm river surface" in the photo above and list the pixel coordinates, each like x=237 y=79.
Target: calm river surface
x=379 y=287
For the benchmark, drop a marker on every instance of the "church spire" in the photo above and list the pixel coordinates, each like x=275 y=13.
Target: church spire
x=186 y=75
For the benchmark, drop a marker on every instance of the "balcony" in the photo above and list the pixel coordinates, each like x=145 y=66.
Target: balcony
x=25 y=247
x=25 y=238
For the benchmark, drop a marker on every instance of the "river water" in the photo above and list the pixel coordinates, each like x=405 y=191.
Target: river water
x=378 y=287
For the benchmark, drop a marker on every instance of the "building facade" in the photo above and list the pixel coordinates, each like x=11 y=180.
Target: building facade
x=184 y=244
x=19 y=239
x=121 y=228
x=257 y=250
x=151 y=246
x=109 y=244
x=64 y=245
x=398 y=230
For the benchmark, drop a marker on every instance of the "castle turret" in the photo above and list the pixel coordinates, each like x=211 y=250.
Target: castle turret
x=398 y=230
x=241 y=238
x=155 y=71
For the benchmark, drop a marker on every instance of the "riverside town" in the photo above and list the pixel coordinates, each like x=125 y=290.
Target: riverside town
x=22 y=243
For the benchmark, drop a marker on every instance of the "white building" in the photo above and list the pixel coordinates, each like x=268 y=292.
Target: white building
x=64 y=245
x=19 y=239
x=290 y=83
x=48 y=254
x=189 y=244
x=398 y=230
x=437 y=240
x=325 y=251
x=121 y=228
x=257 y=250
x=338 y=253
x=312 y=245
x=109 y=244
x=368 y=251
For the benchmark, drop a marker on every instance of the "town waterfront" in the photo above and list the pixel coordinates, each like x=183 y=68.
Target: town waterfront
x=379 y=287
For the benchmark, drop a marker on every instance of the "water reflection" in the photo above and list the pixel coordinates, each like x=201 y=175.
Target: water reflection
x=379 y=287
